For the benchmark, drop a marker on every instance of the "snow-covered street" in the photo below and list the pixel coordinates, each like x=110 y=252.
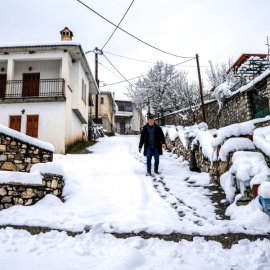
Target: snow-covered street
x=107 y=192
x=109 y=189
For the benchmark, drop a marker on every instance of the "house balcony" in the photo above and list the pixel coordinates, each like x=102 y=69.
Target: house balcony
x=13 y=91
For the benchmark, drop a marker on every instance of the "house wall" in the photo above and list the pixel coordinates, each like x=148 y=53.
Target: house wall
x=48 y=69
x=136 y=120
x=105 y=111
x=52 y=115
x=52 y=120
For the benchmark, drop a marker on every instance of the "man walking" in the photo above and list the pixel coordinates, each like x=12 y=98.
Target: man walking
x=153 y=139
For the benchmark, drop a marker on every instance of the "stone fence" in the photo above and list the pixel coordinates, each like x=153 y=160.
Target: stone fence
x=16 y=193
x=214 y=168
x=238 y=108
x=17 y=155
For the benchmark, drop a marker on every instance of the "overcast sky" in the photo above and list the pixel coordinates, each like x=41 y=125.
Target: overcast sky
x=215 y=29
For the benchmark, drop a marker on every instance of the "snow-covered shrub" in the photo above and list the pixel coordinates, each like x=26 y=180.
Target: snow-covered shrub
x=261 y=139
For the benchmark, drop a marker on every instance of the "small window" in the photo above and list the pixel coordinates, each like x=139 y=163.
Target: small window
x=83 y=91
x=102 y=100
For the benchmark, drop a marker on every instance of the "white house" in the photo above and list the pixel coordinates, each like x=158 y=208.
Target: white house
x=45 y=90
x=128 y=118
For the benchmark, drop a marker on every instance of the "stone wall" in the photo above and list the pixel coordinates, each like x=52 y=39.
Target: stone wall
x=24 y=194
x=16 y=155
x=237 y=109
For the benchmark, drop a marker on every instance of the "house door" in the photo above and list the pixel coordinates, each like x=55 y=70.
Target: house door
x=15 y=122
x=30 y=84
x=3 y=83
x=32 y=126
x=122 y=126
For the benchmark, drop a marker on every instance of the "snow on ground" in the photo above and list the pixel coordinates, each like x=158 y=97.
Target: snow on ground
x=109 y=188
x=96 y=251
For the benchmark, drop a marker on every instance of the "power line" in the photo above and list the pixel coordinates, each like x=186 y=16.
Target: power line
x=108 y=69
x=118 y=71
x=130 y=58
x=128 y=80
x=118 y=27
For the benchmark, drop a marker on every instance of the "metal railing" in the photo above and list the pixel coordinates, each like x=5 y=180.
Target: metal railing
x=32 y=88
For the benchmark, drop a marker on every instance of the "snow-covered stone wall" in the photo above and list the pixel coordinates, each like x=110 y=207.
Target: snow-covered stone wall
x=17 y=193
x=19 y=154
x=237 y=109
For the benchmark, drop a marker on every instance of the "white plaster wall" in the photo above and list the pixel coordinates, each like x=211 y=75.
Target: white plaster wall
x=51 y=120
x=136 y=120
x=48 y=69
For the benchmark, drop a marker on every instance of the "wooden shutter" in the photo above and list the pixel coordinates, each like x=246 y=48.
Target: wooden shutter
x=3 y=82
x=30 y=84
x=32 y=125
x=15 y=122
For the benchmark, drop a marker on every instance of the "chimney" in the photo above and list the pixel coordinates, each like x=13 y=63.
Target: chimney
x=66 y=34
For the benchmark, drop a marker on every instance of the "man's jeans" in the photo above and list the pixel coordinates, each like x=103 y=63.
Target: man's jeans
x=152 y=151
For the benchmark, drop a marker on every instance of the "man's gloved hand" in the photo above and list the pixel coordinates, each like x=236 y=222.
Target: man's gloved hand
x=140 y=149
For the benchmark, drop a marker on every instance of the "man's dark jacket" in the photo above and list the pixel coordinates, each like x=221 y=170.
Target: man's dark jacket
x=159 y=138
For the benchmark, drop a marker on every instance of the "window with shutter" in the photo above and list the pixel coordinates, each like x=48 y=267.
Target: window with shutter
x=15 y=122
x=32 y=125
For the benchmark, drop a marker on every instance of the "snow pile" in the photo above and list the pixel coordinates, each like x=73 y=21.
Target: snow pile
x=182 y=134
x=27 y=139
x=264 y=190
x=228 y=185
x=49 y=167
x=194 y=135
x=172 y=133
x=222 y=91
x=248 y=164
x=165 y=130
x=261 y=139
x=20 y=177
x=235 y=144
x=202 y=179
x=235 y=130
x=205 y=139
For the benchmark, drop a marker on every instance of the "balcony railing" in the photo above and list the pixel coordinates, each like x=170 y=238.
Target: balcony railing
x=32 y=88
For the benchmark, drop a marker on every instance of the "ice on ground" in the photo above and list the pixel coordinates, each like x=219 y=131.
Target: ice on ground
x=235 y=144
x=22 y=137
x=261 y=139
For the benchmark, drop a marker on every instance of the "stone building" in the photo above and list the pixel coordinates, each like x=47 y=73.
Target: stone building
x=44 y=90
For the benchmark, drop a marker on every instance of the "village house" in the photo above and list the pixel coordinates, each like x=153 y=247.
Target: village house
x=45 y=90
x=106 y=110
x=128 y=119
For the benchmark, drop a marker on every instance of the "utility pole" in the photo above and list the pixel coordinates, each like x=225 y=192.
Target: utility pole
x=201 y=88
x=97 y=52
